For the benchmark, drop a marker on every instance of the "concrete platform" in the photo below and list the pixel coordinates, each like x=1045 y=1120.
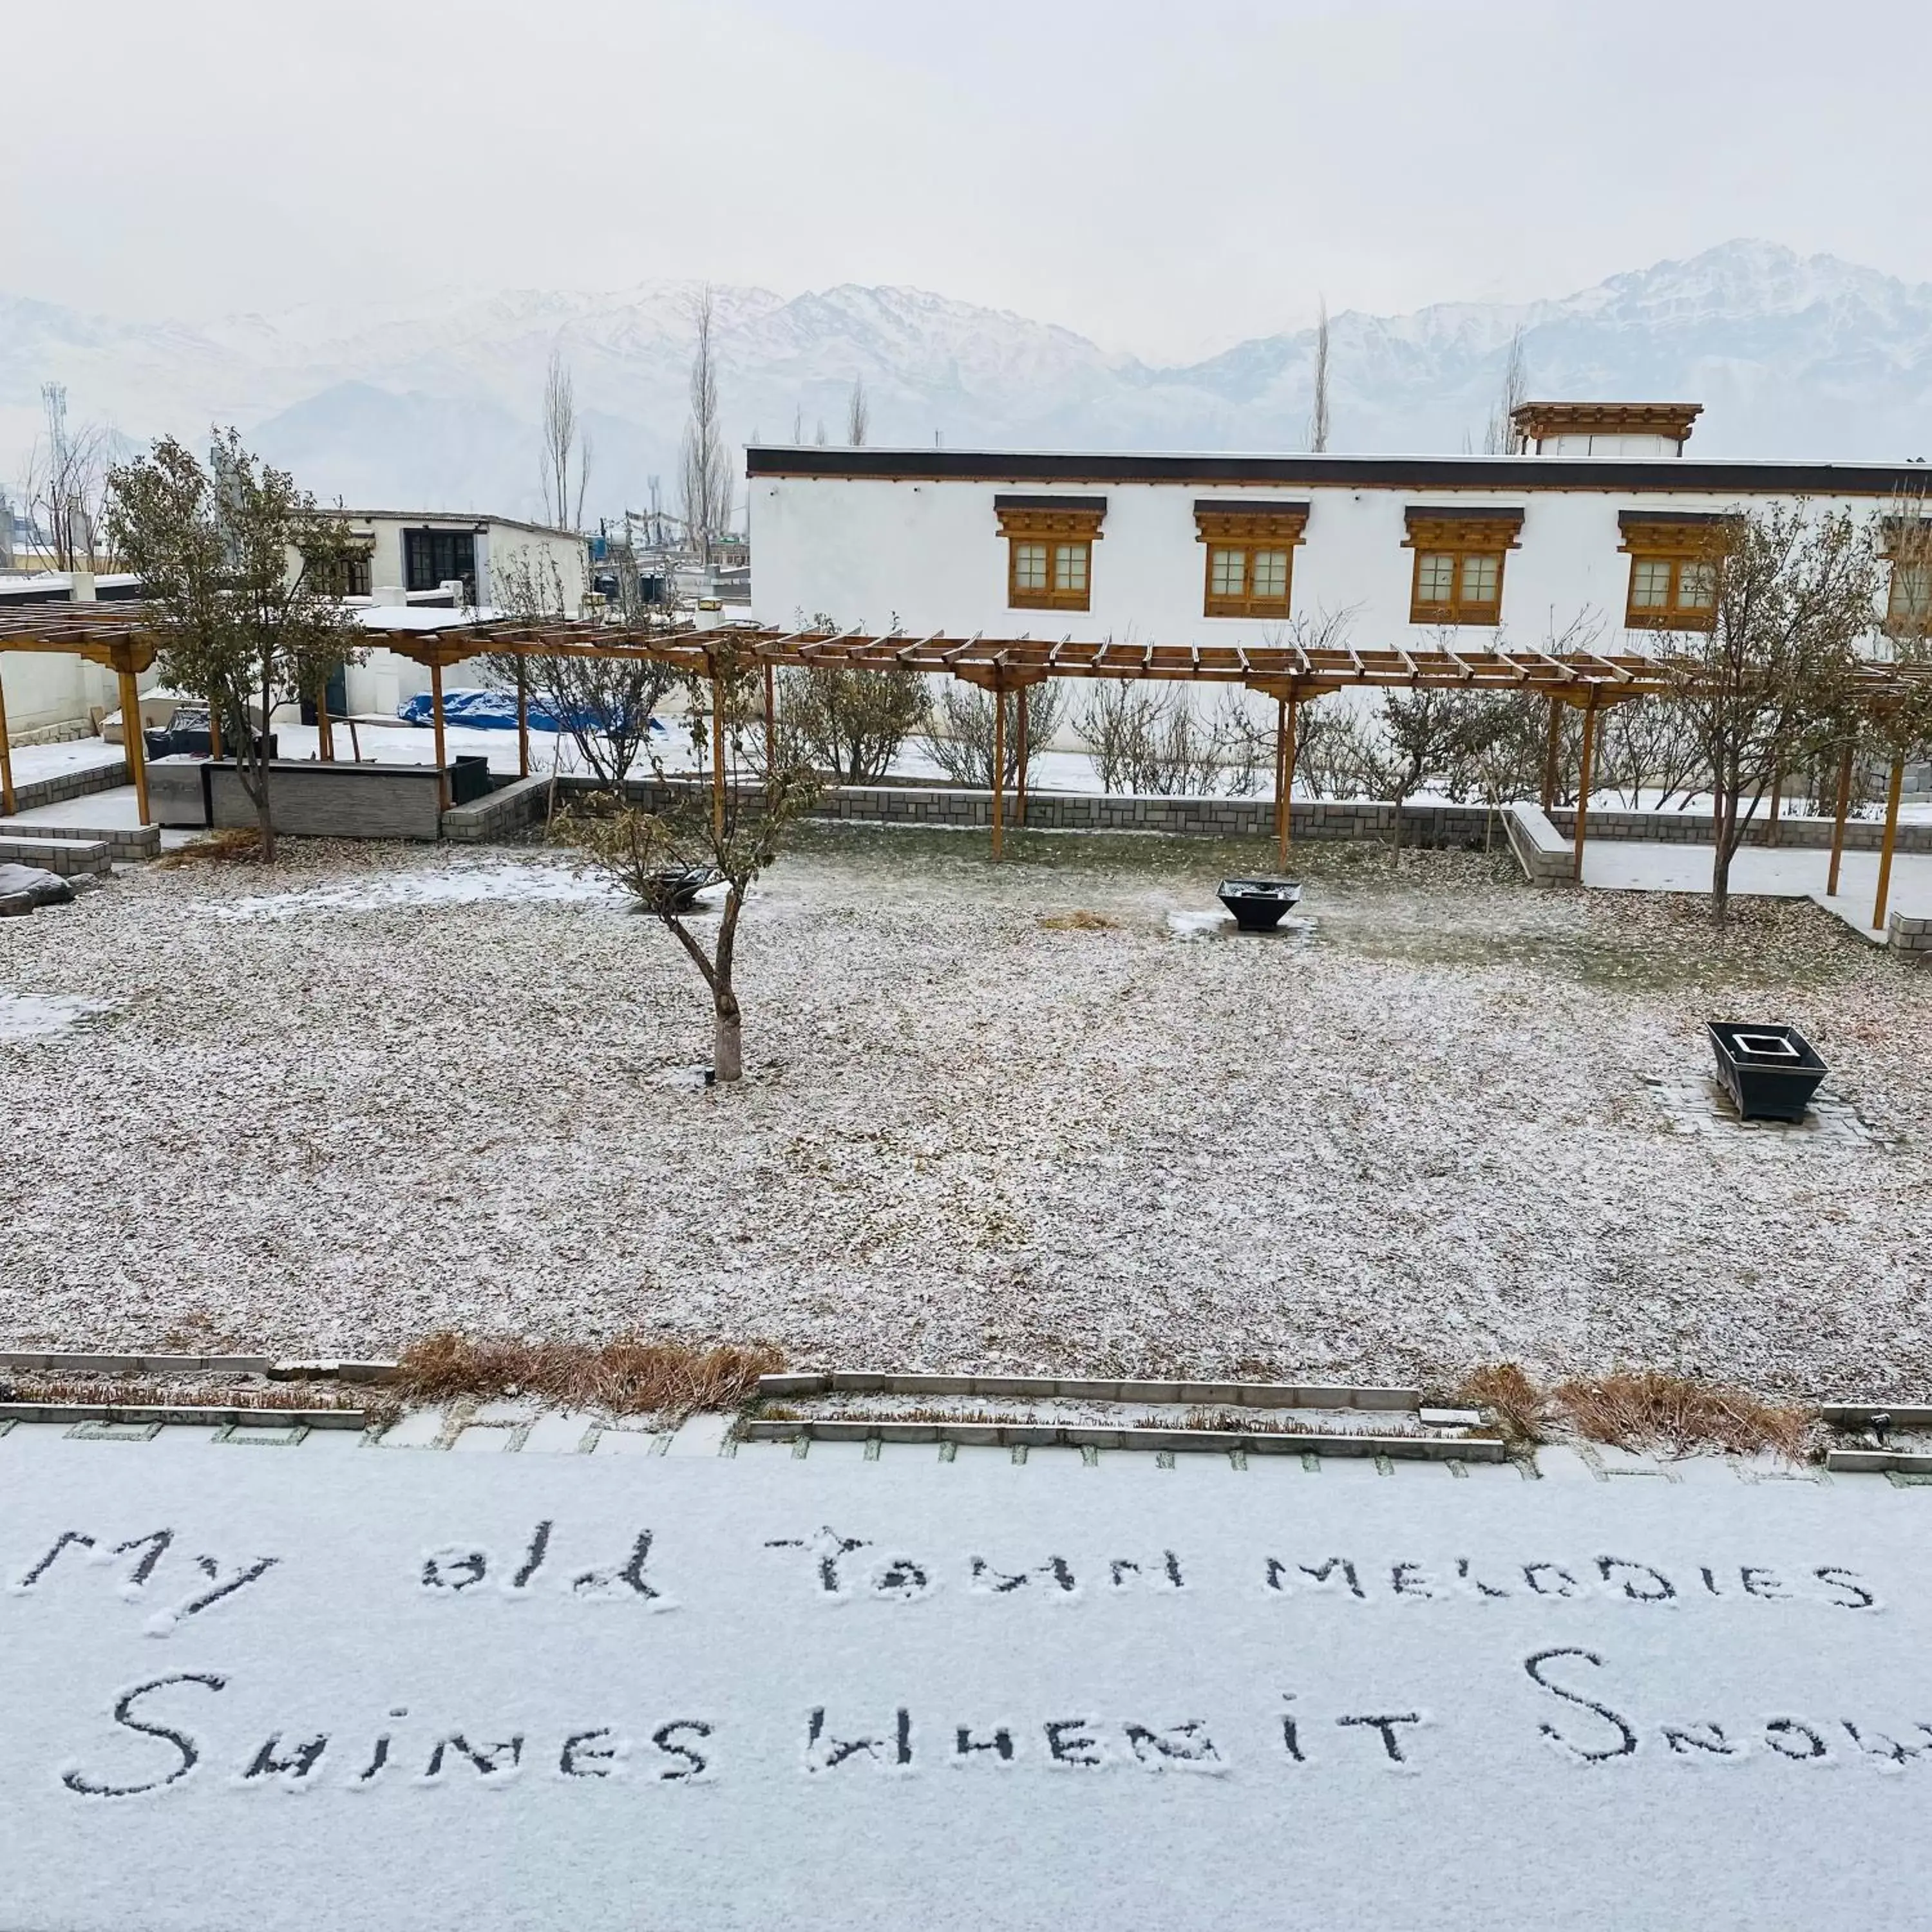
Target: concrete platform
x=519 y=1691
x=1635 y=866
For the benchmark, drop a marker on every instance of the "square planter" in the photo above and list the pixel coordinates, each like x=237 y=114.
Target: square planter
x=1771 y=1072
x=1259 y=905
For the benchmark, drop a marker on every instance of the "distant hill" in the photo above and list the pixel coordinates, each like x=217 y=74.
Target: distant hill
x=432 y=402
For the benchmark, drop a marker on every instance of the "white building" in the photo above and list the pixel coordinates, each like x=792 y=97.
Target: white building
x=1598 y=519
x=408 y=558
x=419 y=558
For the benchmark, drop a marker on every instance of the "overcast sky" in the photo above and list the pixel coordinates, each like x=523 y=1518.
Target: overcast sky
x=1166 y=175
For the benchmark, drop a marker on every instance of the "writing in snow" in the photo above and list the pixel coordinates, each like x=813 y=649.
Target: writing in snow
x=1572 y=1699
x=156 y=1573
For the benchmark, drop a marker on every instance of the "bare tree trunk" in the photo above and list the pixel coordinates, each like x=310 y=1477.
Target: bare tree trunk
x=727 y=1036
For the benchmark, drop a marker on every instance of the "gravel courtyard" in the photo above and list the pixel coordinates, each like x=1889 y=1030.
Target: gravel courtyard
x=1447 y=1120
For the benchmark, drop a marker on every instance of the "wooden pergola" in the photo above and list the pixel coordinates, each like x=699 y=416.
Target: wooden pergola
x=1589 y=681
x=1290 y=674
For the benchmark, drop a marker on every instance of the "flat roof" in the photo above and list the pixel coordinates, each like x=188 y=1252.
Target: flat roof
x=474 y=518
x=1686 y=475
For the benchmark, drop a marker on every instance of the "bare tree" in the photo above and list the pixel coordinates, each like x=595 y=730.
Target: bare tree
x=729 y=835
x=566 y=446
x=67 y=482
x=1428 y=729
x=858 y=415
x=1154 y=744
x=852 y=724
x=232 y=615
x=603 y=705
x=1318 y=416
x=1497 y=754
x=1794 y=599
x=1340 y=754
x=1500 y=438
x=1649 y=746
x=704 y=477
x=959 y=735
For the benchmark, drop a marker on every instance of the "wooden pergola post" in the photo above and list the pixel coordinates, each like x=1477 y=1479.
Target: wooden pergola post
x=1290 y=746
x=436 y=719
x=771 y=717
x=1890 y=841
x=6 y=759
x=1553 y=748
x=999 y=763
x=325 y=732
x=717 y=753
x=523 y=718
x=131 y=741
x=1583 y=775
x=1844 y=806
x=1020 y=787
x=1281 y=779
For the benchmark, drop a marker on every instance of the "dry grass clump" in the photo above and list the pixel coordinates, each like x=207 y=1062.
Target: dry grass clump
x=630 y=1376
x=232 y=845
x=1080 y=922
x=1514 y=1402
x=1653 y=1409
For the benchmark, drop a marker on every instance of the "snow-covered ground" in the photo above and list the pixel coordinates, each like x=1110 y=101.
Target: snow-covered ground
x=385 y=1690
x=31 y=762
x=1415 y=1134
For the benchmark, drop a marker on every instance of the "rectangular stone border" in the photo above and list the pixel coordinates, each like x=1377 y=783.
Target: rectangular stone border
x=1233 y=1395
x=1858 y=1414
x=1878 y=1461
x=194 y=1415
x=1054 y=1435
x=86 y=1362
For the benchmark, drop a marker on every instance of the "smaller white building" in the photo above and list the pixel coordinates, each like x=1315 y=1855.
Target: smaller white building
x=444 y=561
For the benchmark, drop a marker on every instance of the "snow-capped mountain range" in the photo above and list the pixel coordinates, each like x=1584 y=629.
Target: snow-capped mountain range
x=432 y=402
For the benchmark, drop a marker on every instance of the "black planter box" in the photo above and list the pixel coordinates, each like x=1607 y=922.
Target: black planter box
x=469 y=778
x=675 y=888
x=1771 y=1072
x=1259 y=905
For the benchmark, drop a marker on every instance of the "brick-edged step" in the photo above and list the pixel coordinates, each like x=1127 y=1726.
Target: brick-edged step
x=1227 y=1395
x=66 y=858
x=193 y=1414
x=123 y=842
x=1078 y=1436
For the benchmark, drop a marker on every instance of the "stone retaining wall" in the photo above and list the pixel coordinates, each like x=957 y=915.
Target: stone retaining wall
x=76 y=784
x=68 y=858
x=508 y=809
x=1424 y=822
x=1699 y=828
x=307 y=798
x=1547 y=857
x=1911 y=938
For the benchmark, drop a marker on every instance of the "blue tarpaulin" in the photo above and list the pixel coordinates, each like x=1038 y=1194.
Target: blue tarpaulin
x=496 y=711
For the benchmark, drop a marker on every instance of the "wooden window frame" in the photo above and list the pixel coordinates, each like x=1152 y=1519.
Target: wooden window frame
x=357 y=562
x=1680 y=544
x=1248 y=528
x=1059 y=523
x=1463 y=535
